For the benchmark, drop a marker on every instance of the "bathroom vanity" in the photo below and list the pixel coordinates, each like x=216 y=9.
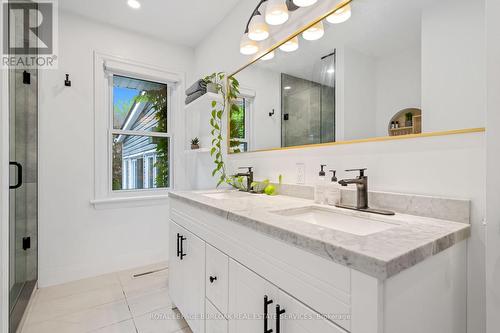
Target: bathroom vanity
x=242 y=263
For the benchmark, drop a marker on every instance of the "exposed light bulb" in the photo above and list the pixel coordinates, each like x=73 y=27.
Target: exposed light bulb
x=291 y=45
x=258 y=30
x=268 y=56
x=315 y=32
x=341 y=15
x=248 y=46
x=304 y=3
x=276 y=12
x=134 y=4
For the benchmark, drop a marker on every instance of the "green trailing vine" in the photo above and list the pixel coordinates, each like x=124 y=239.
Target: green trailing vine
x=228 y=87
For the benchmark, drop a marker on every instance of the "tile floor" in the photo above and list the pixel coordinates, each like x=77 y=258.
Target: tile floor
x=113 y=303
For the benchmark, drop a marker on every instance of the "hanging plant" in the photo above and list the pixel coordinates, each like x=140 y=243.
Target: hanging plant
x=229 y=89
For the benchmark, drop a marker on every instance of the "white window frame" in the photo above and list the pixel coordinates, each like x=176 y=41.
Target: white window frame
x=249 y=96
x=105 y=67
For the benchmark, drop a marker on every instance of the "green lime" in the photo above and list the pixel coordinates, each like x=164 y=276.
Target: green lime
x=270 y=189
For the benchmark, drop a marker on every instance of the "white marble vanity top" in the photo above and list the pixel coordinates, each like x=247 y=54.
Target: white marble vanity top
x=409 y=239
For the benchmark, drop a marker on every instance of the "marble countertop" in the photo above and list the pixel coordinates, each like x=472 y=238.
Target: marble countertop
x=381 y=255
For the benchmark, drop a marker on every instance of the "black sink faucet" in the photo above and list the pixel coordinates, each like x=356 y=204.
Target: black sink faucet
x=362 y=194
x=248 y=175
x=361 y=185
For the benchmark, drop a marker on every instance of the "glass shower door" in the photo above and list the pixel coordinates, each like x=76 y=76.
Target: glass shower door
x=23 y=210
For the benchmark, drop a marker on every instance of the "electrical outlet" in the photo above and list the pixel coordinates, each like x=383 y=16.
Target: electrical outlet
x=301 y=173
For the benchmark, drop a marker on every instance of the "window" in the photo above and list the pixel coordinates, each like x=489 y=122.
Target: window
x=240 y=125
x=134 y=104
x=140 y=137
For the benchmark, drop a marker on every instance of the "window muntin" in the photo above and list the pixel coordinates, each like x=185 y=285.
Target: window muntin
x=140 y=137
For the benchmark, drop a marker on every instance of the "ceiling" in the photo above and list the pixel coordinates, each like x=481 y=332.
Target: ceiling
x=184 y=22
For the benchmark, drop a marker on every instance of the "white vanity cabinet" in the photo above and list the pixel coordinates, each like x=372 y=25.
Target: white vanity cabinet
x=187 y=275
x=235 y=275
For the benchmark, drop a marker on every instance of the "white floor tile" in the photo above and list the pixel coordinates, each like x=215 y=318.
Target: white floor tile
x=45 y=310
x=165 y=320
x=77 y=287
x=123 y=327
x=53 y=326
x=149 y=302
x=101 y=316
x=148 y=283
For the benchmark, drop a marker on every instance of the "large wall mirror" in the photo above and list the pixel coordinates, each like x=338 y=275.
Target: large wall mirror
x=392 y=68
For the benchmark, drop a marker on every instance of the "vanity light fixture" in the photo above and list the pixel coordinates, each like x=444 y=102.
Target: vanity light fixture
x=134 y=4
x=304 y=3
x=315 y=32
x=268 y=56
x=258 y=30
x=341 y=15
x=291 y=45
x=248 y=46
x=276 y=12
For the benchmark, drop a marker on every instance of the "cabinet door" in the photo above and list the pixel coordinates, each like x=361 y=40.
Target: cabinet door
x=215 y=321
x=188 y=286
x=247 y=293
x=298 y=318
x=175 y=274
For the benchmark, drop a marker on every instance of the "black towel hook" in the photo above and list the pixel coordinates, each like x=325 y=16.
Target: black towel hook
x=67 y=82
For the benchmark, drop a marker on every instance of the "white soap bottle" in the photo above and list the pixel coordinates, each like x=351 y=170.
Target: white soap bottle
x=320 y=187
x=333 y=190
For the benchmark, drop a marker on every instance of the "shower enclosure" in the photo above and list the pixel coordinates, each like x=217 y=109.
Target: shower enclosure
x=23 y=196
x=308 y=105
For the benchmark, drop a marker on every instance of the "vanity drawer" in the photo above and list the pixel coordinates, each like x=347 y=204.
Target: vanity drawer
x=217 y=267
x=215 y=321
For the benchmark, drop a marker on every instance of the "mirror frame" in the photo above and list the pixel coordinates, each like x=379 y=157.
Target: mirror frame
x=335 y=143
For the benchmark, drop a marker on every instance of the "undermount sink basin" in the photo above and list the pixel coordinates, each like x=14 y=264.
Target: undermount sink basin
x=227 y=195
x=330 y=219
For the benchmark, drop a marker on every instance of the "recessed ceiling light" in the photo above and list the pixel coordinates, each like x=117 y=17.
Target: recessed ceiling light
x=287 y=88
x=134 y=4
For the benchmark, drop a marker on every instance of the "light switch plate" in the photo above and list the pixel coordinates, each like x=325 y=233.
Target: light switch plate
x=301 y=173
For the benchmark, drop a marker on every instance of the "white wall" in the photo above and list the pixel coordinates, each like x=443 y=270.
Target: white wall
x=493 y=170
x=398 y=86
x=356 y=93
x=446 y=166
x=453 y=65
x=76 y=240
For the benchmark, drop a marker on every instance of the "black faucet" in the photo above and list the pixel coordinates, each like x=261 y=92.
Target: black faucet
x=248 y=175
x=362 y=194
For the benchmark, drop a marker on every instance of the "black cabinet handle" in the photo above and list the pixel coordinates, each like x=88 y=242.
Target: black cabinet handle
x=279 y=312
x=213 y=279
x=19 y=175
x=182 y=254
x=267 y=302
x=178 y=245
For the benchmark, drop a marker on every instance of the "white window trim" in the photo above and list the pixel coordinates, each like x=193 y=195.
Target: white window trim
x=105 y=66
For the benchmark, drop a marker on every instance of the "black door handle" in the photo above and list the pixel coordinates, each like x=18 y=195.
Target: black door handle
x=19 y=175
x=182 y=254
x=279 y=312
x=267 y=302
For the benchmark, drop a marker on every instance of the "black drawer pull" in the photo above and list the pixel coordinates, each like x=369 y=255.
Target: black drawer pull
x=19 y=175
x=279 y=312
x=181 y=253
x=267 y=302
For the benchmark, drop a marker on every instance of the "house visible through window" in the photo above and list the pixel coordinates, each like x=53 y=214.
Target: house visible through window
x=139 y=134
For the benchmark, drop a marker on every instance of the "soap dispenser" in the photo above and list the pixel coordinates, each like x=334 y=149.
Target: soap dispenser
x=320 y=186
x=333 y=190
